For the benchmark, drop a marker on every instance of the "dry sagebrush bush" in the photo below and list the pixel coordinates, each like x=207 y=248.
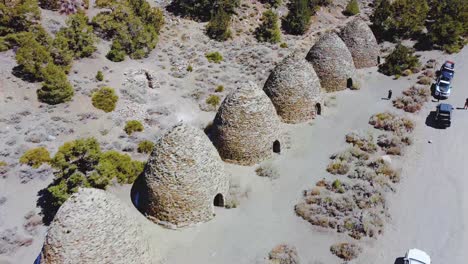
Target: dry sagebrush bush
x=283 y=254
x=338 y=167
x=391 y=122
x=365 y=144
x=346 y=251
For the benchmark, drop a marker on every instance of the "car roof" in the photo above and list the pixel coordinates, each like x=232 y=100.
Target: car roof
x=419 y=255
x=447 y=74
x=445 y=107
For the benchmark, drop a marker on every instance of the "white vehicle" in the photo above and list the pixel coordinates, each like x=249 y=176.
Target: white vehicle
x=416 y=256
x=442 y=88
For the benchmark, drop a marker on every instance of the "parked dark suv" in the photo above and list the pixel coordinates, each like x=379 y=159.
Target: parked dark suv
x=443 y=116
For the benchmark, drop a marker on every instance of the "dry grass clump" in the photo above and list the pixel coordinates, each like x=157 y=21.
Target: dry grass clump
x=346 y=251
x=363 y=143
x=390 y=122
x=338 y=167
x=267 y=170
x=393 y=145
x=424 y=80
x=354 y=209
x=283 y=254
x=381 y=167
x=413 y=99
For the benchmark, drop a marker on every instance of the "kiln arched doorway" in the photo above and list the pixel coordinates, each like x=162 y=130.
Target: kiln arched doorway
x=277 y=147
x=219 y=200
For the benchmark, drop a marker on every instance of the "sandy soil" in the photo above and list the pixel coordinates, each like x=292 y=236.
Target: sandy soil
x=428 y=211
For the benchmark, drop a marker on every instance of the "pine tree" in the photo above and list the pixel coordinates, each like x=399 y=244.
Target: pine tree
x=297 y=21
x=32 y=57
x=55 y=89
x=79 y=34
x=269 y=30
x=218 y=27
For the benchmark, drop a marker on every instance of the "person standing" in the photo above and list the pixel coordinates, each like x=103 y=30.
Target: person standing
x=389 y=94
x=466 y=104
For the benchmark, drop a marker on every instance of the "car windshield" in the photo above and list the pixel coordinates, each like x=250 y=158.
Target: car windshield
x=415 y=261
x=444 y=84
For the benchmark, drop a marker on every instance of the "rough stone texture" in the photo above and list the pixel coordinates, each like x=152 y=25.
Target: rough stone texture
x=332 y=62
x=246 y=126
x=183 y=176
x=93 y=226
x=294 y=89
x=361 y=42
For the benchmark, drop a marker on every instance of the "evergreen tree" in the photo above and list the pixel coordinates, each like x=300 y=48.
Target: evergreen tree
x=449 y=24
x=79 y=34
x=218 y=27
x=297 y=21
x=32 y=57
x=18 y=16
x=55 y=89
x=401 y=59
x=269 y=30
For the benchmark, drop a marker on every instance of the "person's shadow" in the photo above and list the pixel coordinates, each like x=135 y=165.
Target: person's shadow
x=399 y=260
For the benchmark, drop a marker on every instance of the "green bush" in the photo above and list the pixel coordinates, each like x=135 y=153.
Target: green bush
x=219 y=89
x=35 y=157
x=215 y=57
x=269 y=30
x=145 y=146
x=402 y=58
x=55 y=89
x=213 y=100
x=99 y=76
x=189 y=68
x=297 y=22
x=105 y=99
x=284 y=45
x=80 y=163
x=113 y=164
x=352 y=8
x=2 y=163
x=79 y=35
x=79 y=155
x=133 y=126
x=218 y=27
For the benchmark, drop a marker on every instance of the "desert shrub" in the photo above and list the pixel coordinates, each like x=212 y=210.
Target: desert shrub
x=337 y=186
x=401 y=59
x=352 y=8
x=133 y=126
x=213 y=100
x=219 y=89
x=105 y=99
x=297 y=22
x=269 y=30
x=365 y=144
x=215 y=57
x=346 y=251
x=284 y=254
x=121 y=166
x=50 y=4
x=267 y=170
x=399 y=19
x=99 y=76
x=218 y=26
x=79 y=35
x=35 y=157
x=390 y=122
x=283 y=45
x=338 y=167
x=425 y=80
x=145 y=146
x=56 y=88
x=3 y=164
x=413 y=99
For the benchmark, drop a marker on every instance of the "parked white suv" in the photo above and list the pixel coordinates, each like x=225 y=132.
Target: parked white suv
x=416 y=256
